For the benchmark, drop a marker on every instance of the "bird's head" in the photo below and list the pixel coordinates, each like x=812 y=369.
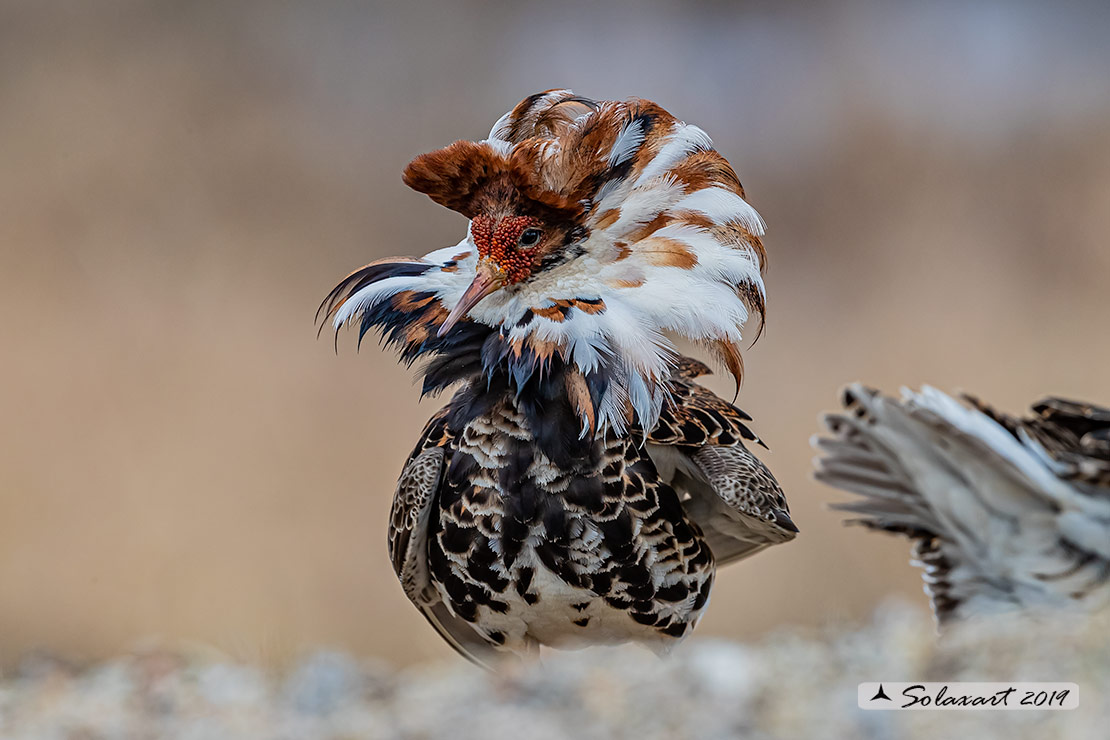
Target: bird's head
x=517 y=228
x=595 y=230
x=509 y=250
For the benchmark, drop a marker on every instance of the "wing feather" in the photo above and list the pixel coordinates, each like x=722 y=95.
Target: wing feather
x=698 y=448
x=408 y=523
x=414 y=501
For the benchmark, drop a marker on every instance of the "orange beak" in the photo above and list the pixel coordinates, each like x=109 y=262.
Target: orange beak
x=488 y=280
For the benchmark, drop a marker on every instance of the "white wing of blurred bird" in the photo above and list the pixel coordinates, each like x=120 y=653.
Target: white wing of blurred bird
x=1007 y=513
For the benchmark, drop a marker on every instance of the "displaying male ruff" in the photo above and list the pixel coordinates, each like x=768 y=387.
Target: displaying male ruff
x=580 y=487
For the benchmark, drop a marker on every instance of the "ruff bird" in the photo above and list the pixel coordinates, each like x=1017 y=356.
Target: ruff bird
x=1007 y=514
x=581 y=486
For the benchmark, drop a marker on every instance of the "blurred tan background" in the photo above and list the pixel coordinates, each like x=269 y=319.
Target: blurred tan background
x=181 y=183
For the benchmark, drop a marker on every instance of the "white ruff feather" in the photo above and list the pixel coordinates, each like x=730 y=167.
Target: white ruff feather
x=369 y=296
x=629 y=140
x=689 y=275
x=683 y=140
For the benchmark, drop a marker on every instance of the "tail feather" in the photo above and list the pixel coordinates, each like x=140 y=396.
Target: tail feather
x=995 y=527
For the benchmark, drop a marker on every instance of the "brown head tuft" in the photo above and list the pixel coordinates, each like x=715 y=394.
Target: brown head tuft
x=474 y=178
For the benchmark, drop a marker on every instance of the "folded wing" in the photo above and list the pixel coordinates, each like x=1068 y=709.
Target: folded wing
x=410 y=513
x=698 y=448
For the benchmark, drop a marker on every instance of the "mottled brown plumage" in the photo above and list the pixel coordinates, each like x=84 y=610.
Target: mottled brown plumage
x=484 y=522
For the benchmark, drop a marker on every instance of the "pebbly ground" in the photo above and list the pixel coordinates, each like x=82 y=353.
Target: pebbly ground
x=788 y=685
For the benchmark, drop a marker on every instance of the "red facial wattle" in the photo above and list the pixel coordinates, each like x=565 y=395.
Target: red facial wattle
x=498 y=241
x=502 y=261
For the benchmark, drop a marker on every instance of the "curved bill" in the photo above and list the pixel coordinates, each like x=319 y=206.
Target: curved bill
x=488 y=280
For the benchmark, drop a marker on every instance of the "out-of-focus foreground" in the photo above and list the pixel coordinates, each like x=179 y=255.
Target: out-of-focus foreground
x=785 y=685
x=181 y=183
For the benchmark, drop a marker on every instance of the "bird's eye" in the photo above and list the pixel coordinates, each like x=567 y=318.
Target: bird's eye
x=530 y=238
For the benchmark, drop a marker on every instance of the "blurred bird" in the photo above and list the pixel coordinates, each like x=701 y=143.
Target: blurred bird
x=1007 y=514
x=580 y=486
